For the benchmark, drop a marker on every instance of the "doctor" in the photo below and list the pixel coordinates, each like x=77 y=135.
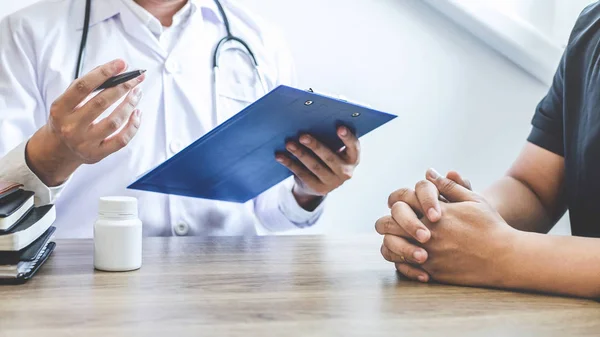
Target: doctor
x=72 y=148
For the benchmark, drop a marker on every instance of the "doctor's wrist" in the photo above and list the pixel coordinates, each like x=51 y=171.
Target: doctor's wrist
x=49 y=158
x=307 y=201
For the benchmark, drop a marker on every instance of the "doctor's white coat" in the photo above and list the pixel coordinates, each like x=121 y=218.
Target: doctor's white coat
x=38 y=54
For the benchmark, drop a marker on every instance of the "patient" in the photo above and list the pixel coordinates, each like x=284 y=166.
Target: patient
x=445 y=232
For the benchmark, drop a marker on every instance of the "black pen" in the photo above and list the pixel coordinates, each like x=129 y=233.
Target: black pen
x=122 y=78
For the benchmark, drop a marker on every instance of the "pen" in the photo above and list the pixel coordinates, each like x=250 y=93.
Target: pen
x=122 y=78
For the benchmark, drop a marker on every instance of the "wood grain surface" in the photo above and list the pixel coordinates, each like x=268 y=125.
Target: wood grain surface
x=269 y=286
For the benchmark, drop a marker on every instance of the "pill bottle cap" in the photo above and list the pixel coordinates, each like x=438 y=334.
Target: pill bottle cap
x=116 y=206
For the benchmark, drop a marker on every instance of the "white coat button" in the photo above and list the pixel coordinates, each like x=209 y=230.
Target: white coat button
x=172 y=66
x=181 y=229
x=175 y=146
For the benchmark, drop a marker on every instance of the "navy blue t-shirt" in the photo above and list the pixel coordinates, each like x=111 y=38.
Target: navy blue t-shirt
x=567 y=122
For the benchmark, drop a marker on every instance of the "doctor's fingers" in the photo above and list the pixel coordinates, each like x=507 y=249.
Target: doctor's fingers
x=351 y=153
x=299 y=171
x=314 y=165
x=97 y=105
x=330 y=158
x=118 y=117
x=118 y=141
x=82 y=87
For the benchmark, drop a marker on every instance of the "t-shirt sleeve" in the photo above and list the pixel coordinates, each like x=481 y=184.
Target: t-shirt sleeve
x=547 y=124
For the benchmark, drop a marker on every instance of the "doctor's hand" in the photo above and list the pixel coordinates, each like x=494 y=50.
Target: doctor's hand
x=405 y=228
x=470 y=244
x=72 y=136
x=320 y=170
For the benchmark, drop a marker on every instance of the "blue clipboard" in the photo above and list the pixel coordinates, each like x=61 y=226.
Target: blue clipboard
x=236 y=160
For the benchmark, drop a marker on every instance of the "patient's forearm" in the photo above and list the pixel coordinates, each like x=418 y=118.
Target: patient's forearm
x=518 y=205
x=555 y=264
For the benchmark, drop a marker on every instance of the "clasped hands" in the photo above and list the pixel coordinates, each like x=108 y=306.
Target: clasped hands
x=445 y=232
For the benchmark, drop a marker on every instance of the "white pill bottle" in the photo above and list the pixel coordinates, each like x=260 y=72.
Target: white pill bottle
x=118 y=235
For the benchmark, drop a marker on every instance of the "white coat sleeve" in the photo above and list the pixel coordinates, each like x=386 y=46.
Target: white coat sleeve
x=277 y=209
x=22 y=108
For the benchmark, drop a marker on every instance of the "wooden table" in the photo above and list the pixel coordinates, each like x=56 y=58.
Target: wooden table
x=269 y=286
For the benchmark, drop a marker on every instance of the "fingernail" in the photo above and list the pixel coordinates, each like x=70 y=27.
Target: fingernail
x=433 y=173
x=136 y=91
x=433 y=214
x=141 y=77
x=419 y=255
x=422 y=278
x=422 y=235
x=292 y=147
x=305 y=140
x=343 y=132
x=279 y=159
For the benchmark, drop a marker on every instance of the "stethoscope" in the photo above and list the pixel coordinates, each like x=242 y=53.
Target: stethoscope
x=242 y=45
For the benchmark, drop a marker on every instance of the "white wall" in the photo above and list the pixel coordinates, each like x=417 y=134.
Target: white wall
x=460 y=105
x=554 y=18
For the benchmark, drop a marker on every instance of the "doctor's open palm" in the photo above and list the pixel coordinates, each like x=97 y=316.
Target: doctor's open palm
x=73 y=137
